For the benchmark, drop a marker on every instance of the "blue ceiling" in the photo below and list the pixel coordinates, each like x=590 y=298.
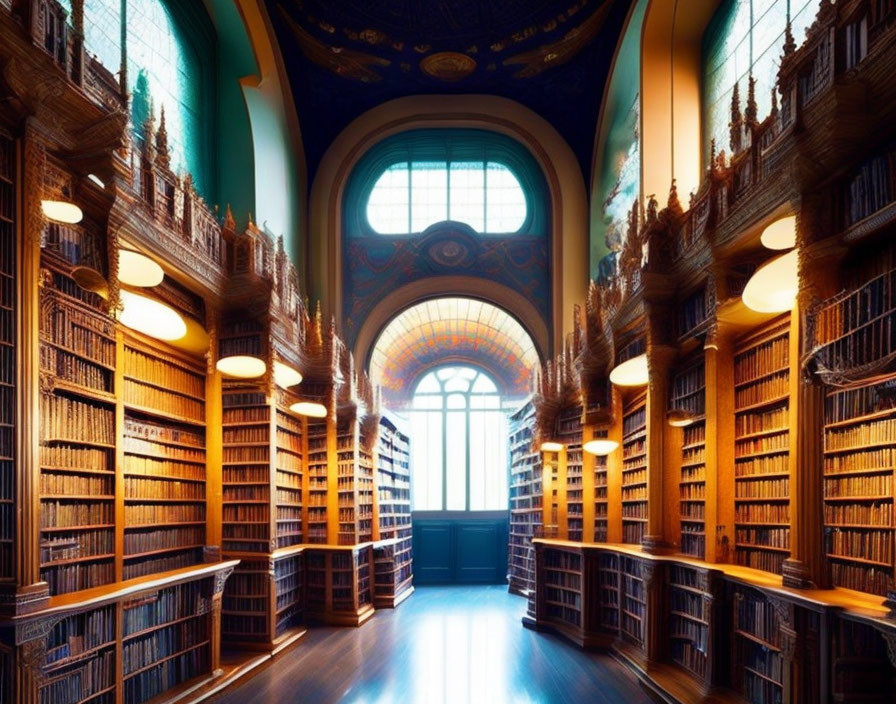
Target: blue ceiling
x=344 y=57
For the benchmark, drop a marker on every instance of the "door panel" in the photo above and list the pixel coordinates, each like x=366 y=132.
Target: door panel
x=460 y=547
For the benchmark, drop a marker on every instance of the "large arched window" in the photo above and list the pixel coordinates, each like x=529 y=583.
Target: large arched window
x=409 y=196
x=419 y=178
x=459 y=447
x=166 y=45
x=746 y=37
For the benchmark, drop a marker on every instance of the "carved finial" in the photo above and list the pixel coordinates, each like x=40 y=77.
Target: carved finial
x=673 y=204
x=229 y=221
x=736 y=121
x=251 y=225
x=751 y=112
x=712 y=154
x=774 y=111
x=789 y=42
x=149 y=129
x=163 y=156
x=652 y=207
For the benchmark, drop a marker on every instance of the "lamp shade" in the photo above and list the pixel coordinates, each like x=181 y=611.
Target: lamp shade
x=600 y=447
x=551 y=446
x=680 y=418
x=242 y=366
x=773 y=287
x=781 y=234
x=135 y=269
x=632 y=372
x=151 y=317
x=62 y=211
x=285 y=376
x=311 y=409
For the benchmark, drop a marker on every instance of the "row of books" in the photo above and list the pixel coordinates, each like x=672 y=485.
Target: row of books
x=246 y=433
x=159 y=539
x=76 y=370
x=140 y=567
x=776 y=419
x=849 y=404
x=166 y=675
x=58 y=514
x=765 y=390
x=162 y=373
x=158 y=433
x=75 y=457
x=140 y=652
x=762 y=513
x=765 y=358
x=871 y=579
x=765 y=537
x=634 y=420
x=689 y=492
x=758 y=445
x=158 y=450
x=64 y=418
x=873 y=185
x=241 y=454
x=761 y=660
x=693 y=510
x=76 y=545
x=759 y=559
x=136 y=488
x=81 y=333
x=632 y=532
x=873 y=545
x=79 y=633
x=64 y=579
x=878 y=514
x=686 y=653
x=767 y=464
x=872 y=460
x=53 y=483
x=139 y=465
x=235 y=493
x=763 y=489
x=692 y=311
x=858 y=436
x=864 y=345
x=634 y=510
x=157 y=514
x=166 y=402
x=80 y=684
x=876 y=485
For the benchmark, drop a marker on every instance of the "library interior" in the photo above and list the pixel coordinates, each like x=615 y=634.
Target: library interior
x=448 y=351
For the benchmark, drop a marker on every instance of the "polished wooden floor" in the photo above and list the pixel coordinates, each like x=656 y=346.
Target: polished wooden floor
x=447 y=645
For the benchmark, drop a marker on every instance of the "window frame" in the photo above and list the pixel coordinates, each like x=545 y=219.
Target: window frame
x=448 y=145
x=443 y=410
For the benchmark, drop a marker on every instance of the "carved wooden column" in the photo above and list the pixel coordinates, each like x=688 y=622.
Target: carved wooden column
x=654 y=613
x=614 y=471
x=818 y=266
x=659 y=361
x=31 y=646
x=215 y=616
x=788 y=643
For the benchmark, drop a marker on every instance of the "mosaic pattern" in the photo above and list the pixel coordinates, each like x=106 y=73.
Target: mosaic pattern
x=453 y=330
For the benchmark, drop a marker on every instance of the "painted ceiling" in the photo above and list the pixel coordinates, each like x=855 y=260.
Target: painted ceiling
x=345 y=57
x=452 y=330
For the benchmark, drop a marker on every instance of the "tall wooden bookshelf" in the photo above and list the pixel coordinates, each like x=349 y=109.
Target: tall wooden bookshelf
x=762 y=446
x=354 y=484
x=601 y=487
x=758 y=666
x=393 y=553
x=688 y=397
x=570 y=434
x=525 y=499
x=339 y=584
x=634 y=467
x=289 y=466
x=318 y=485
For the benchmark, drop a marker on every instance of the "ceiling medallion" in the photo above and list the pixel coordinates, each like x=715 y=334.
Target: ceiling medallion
x=448 y=66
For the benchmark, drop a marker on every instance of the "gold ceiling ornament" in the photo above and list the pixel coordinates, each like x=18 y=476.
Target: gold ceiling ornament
x=348 y=63
x=449 y=66
x=556 y=53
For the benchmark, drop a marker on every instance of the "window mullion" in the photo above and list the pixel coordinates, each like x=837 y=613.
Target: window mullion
x=467 y=432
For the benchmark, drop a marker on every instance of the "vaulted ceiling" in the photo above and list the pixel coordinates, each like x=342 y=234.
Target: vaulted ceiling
x=345 y=57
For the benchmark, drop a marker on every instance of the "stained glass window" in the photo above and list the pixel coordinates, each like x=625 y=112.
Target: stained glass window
x=164 y=72
x=459 y=453
x=745 y=36
x=410 y=196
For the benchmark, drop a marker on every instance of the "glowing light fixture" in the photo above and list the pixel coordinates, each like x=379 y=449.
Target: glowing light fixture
x=62 y=211
x=773 y=288
x=135 y=269
x=242 y=366
x=551 y=446
x=632 y=372
x=310 y=409
x=600 y=447
x=285 y=376
x=151 y=317
x=97 y=180
x=781 y=234
x=680 y=418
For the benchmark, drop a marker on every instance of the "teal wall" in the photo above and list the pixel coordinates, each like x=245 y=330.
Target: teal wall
x=617 y=171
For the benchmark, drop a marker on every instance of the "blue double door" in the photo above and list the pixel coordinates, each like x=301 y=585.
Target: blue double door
x=460 y=547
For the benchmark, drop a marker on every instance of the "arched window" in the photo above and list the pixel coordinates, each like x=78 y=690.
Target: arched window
x=460 y=442
x=746 y=37
x=164 y=45
x=418 y=178
x=409 y=196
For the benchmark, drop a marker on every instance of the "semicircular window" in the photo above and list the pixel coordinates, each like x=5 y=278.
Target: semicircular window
x=409 y=196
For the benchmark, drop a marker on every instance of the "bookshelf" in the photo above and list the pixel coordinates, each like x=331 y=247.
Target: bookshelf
x=339 y=586
x=688 y=396
x=290 y=461
x=634 y=467
x=633 y=600
x=691 y=620
x=393 y=554
x=78 y=356
x=246 y=467
x=317 y=471
x=164 y=460
x=525 y=499
x=601 y=488
x=859 y=453
x=762 y=445
x=560 y=588
x=861 y=671
x=8 y=316
x=758 y=666
x=609 y=593
x=570 y=434
x=354 y=484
